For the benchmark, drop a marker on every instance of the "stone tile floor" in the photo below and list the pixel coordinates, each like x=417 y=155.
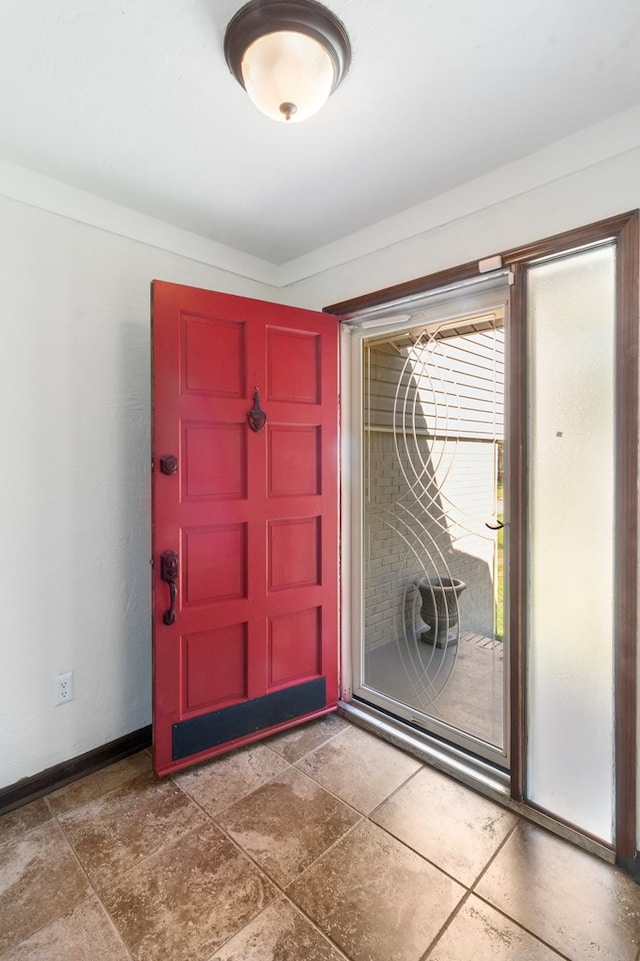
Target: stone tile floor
x=321 y=844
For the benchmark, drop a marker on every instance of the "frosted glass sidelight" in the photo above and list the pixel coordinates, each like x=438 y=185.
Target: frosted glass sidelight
x=571 y=307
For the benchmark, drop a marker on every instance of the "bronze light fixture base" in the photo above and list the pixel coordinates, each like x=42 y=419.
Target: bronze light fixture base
x=312 y=20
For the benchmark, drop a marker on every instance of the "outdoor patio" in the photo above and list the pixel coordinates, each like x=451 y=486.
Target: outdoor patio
x=461 y=685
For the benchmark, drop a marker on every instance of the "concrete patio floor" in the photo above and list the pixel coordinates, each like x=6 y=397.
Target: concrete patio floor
x=460 y=685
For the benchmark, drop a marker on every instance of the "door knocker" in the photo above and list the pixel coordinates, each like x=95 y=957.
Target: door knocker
x=257 y=417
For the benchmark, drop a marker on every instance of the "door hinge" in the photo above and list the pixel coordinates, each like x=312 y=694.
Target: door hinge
x=511 y=277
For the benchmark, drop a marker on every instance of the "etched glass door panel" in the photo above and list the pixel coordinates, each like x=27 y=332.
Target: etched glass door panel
x=433 y=446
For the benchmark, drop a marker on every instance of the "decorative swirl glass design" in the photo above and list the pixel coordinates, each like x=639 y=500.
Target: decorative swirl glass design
x=433 y=426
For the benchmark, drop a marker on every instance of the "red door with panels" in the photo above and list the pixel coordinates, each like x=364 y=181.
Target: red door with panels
x=245 y=520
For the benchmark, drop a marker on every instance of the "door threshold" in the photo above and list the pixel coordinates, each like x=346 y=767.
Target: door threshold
x=472 y=771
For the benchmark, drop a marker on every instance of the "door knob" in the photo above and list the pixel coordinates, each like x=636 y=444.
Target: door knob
x=169 y=464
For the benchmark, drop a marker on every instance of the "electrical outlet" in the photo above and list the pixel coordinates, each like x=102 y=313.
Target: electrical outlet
x=63 y=688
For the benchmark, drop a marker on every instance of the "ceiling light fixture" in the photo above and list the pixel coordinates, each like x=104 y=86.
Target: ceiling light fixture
x=289 y=55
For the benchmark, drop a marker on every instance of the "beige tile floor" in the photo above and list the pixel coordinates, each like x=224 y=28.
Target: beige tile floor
x=322 y=844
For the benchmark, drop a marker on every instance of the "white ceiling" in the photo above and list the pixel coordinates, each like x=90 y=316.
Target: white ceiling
x=131 y=100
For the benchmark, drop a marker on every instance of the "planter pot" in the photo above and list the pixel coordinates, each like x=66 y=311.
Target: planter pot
x=439 y=609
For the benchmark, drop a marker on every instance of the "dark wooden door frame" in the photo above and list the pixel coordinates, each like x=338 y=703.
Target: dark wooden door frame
x=624 y=230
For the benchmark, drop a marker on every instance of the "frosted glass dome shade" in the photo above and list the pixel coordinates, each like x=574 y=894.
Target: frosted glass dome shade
x=289 y=76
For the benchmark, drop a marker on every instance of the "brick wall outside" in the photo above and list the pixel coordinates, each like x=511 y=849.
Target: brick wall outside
x=436 y=528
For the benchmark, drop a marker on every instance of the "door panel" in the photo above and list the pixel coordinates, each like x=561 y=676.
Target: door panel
x=432 y=646
x=432 y=579
x=252 y=515
x=571 y=544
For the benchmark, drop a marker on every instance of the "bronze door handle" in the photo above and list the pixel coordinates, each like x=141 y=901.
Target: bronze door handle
x=169 y=572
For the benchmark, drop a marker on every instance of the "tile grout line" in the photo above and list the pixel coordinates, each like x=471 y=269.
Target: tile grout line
x=96 y=892
x=166 y=847
x=547 y=944
x=518 y=924
x=163 y=846
x=237 y=800
x=292 y=765
x=446 y=925
x=367 y=818
x=283 y=888
x=316 y=927
x=259 y=787
x=362 y=814
x=395 y=790
x=503 y=843
x=244 y=854
x=336 y=797
x=280 y=890
x=420 y=854
x=54 y=819
x=26 y=832
x=98 y=797
x=298 y=910
x=312 y=750
x=331 y=847
x=470 y=890
x=91 y=893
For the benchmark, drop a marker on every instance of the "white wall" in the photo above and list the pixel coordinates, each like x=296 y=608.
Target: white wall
x=75 y=462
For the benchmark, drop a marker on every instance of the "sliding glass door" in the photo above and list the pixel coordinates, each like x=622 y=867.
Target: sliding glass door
x=494 y=523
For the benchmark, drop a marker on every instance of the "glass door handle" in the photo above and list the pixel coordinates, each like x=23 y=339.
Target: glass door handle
x=494 y=527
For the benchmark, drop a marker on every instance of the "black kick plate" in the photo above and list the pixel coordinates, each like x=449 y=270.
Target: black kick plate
x=208 y=730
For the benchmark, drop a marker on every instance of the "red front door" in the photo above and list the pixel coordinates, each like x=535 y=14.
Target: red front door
x=245 y=520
